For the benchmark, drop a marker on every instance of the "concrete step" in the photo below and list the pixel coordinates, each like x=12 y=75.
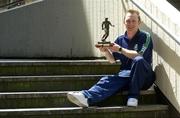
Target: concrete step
x=47 y=83
x=57 y=67
x=59 y=99
x=142 y=111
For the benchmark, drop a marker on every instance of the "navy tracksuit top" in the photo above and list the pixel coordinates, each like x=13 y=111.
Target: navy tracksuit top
x=141 y=42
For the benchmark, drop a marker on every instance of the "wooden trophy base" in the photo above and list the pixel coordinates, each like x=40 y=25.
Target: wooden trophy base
x=104 y=44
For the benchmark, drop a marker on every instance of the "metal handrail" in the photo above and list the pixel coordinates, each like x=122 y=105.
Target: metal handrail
x=11 y=3
x=174 y=37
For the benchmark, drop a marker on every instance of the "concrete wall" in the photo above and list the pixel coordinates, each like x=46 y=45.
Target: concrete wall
x=166 y=57
x=58 y=28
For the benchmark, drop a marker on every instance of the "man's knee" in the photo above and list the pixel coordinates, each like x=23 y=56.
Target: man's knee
x=138 y=59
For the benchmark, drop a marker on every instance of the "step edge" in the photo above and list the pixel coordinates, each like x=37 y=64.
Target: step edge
x=55 y=62
x=80 y=110
x=56 y=94
x=47 y=77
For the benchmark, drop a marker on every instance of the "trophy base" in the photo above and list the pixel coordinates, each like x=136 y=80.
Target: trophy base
x=104 y=44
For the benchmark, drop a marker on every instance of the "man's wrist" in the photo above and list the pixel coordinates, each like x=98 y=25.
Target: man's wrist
x=120 y=49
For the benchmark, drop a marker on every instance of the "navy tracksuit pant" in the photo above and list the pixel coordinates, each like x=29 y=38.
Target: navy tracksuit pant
x=141 y=76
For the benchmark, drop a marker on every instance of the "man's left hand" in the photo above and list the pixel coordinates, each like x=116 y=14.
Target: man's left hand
x=114 y=48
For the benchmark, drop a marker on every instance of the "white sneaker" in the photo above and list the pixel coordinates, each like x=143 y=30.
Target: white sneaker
x=77 y=98
x=132 y=102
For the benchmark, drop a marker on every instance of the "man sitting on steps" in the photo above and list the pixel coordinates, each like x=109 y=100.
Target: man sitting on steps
x=134 y=49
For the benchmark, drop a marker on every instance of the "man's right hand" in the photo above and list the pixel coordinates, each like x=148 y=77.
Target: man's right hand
x=103 y=49
x=107 y=53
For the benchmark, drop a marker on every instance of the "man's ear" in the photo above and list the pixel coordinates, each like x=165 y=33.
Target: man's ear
x=124 y=21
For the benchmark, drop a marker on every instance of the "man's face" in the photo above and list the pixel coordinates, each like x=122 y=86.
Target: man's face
x=131 y=22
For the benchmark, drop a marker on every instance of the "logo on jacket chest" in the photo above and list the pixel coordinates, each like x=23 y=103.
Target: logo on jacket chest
x=136 y=47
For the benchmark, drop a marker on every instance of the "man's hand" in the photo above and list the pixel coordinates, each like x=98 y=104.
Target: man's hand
x=126 y=52
x=102 y=49
x=114 y=48
x=107 y=53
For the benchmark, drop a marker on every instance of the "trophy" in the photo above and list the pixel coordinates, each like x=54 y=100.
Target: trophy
x=104 y=44
x=105 y=27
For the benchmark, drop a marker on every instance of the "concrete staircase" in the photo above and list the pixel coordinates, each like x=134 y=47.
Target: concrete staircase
x=37 y=89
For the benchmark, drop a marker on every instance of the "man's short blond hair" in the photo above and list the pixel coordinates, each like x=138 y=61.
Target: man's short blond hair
x=132 y=11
